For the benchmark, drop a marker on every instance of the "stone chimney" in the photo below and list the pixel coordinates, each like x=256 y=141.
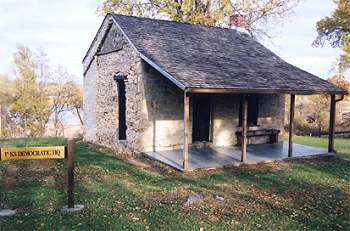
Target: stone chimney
x=239 y=23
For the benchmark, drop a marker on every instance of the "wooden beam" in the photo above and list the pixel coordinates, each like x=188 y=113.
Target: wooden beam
x=258 y=91
x=211 y=123
x=154 y=126
x=291 y=125
x=186 y=130
x=331 y=124
x=70 y=168
x=244 y=127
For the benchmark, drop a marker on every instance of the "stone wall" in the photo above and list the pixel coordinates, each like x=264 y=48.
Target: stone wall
x=155 y=108
x=89 y=103
x=226 y=116
x=225 y=119
x=101 y=95
x=162 y=112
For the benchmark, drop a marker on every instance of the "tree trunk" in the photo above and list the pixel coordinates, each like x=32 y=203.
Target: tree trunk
x=319 y=130
x=79 y=116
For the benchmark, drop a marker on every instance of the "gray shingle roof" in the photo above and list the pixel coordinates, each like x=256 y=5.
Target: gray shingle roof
x=196 y=56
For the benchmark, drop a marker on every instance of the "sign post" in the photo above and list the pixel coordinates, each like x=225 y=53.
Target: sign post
x=71 y=206
x=70 y=166
x=54 y=152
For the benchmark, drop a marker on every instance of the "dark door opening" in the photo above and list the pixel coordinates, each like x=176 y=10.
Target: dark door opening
x=253 y=111
x=201 y=118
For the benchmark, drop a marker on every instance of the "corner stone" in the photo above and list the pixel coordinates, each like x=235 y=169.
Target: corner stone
x=7 y=212
x=75 y=209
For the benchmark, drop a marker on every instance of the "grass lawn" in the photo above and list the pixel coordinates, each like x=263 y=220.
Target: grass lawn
x=291 y=195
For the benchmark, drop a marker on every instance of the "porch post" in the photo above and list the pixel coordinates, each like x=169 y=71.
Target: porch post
x=331 y=125
x=244 y=128
x=186 y=130
x=291 y=125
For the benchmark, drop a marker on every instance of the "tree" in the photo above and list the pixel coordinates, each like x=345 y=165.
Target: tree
x=5 y=89
x=344 y=60
x=340 y=82
x=65 y=96
x=257 y=14
x=29 y=105
x=37 y=95
x=343 y=83
x=336 y=30
x=312 y=112
x=76 y=100
x=317 y=112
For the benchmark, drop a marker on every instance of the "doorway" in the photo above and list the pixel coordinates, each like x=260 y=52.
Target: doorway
x=201 y=118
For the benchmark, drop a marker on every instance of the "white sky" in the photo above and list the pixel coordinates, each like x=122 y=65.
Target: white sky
x=64 y=29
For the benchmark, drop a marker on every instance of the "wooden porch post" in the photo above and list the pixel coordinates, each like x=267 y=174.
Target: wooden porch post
x=244 y=128
x=331 y=125
x=186 y=130
x=291 y=125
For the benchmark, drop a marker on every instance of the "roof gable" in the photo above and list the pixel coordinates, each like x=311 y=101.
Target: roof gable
x=112 y=42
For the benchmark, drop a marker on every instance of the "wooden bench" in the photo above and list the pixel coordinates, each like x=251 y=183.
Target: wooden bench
x=259 y=136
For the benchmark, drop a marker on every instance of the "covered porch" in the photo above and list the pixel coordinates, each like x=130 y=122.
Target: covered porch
x=191 y=157
x=217 y=157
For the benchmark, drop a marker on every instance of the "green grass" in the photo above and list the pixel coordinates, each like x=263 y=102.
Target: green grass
x=342 y=145
x=293 y=195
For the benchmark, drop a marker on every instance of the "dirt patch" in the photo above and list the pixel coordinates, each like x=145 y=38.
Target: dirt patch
x=317 y=160
x=138 y=163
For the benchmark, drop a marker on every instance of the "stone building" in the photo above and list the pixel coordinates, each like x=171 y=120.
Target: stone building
x=154 y=86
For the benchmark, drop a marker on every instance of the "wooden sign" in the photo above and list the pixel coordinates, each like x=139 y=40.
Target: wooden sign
x=32 y=153
x=53 y=152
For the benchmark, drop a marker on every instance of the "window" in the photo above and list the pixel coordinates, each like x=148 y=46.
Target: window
x=253 y=111
x=121 y=106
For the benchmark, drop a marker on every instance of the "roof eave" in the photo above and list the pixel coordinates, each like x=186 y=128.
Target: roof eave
x=260 y=91
x=164 y=73
x=95 y=38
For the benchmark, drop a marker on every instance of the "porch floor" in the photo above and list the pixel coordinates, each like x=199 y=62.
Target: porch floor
x=216 y=157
